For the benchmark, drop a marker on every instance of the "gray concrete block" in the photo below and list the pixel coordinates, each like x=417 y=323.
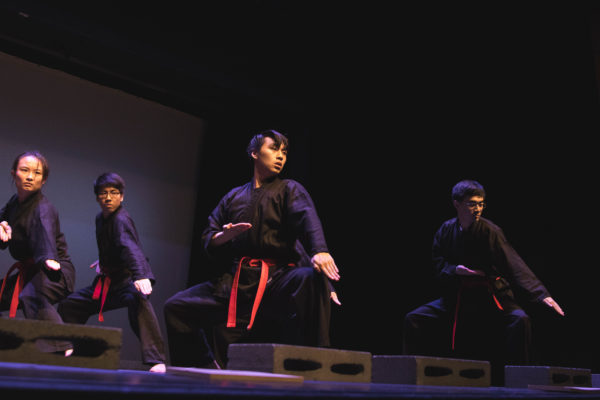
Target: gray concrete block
x=312 y=363
x=98 y=347
x=421 y=370
x=523 y=376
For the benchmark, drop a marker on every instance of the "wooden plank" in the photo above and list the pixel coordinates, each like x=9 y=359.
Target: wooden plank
x=213 y=375
x=554 y=388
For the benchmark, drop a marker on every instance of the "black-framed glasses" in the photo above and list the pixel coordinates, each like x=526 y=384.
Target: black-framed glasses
x=112 y=193
x=474 y=204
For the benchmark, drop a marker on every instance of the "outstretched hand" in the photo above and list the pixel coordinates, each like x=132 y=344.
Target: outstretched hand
x=229 y=232
x=549 y=301
x=323 y=262
x=5 y=231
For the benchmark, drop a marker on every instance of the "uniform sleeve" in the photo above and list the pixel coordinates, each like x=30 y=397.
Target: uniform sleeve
x=3 y=245
x=44 y=231
x=519 y=274
x=444 y=270
x=216 y=220
x=304 y=220
x=131 y=252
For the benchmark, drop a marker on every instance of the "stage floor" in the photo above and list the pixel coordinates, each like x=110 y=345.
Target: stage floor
x=46 y=381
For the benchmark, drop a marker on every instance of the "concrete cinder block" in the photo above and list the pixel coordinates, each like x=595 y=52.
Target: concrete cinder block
x=312 y=363
x=523 y=376
x=96 y=347
x=421 y=370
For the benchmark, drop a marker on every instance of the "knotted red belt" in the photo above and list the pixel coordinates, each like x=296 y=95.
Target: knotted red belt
x=262 y=283
x=471 y=284
x=20 y=282
x=102 y=285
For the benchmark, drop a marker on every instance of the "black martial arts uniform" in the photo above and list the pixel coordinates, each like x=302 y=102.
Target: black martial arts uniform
x=470 y=303
x=122 y=262
x=36 y=237
x=295 y=307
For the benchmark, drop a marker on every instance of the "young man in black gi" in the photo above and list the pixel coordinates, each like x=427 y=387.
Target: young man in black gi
x=477 y=271
x=267 y=290
x=124 y=277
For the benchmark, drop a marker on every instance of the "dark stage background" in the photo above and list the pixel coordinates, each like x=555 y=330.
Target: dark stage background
x=386 y=105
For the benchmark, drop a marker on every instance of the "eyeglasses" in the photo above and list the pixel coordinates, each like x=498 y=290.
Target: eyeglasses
x=112 y=193
x=474 y=204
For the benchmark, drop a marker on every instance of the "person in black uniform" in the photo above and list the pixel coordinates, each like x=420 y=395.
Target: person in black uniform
x=276 y=281
x=479 y=273
x=124 y=277
x=30 y=228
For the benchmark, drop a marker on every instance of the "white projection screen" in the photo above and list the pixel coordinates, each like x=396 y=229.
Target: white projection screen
x=85 y=129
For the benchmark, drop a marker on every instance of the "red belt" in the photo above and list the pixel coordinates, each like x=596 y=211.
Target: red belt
x=14 y=302
x=471 y=284
x=262 y=283
x=101 y=288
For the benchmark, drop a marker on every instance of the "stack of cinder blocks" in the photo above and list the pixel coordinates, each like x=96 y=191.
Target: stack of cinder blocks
x=324 y=364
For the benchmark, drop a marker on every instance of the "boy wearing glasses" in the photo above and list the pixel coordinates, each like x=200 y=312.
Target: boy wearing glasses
x=124 y=275
x=477 y=270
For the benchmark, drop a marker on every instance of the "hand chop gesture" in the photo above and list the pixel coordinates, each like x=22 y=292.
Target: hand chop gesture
x=323 y=262
x=229 y=232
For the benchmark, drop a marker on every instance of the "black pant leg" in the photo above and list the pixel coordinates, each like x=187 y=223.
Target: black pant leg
x=428 y=330
x=191 y=316
x=38 y=298
x=296 y=308
x=142 y=320
x=518 y=336
x=79 y=306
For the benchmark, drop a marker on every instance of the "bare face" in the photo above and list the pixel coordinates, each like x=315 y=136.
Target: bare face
x=469 y=210
x=109 y=198
x=270 y=159
x=28 y=177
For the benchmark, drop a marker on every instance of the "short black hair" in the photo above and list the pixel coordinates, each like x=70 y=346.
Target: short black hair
x=257 y=140
x=39 y=156
x=467 y=188
x=109 y=179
